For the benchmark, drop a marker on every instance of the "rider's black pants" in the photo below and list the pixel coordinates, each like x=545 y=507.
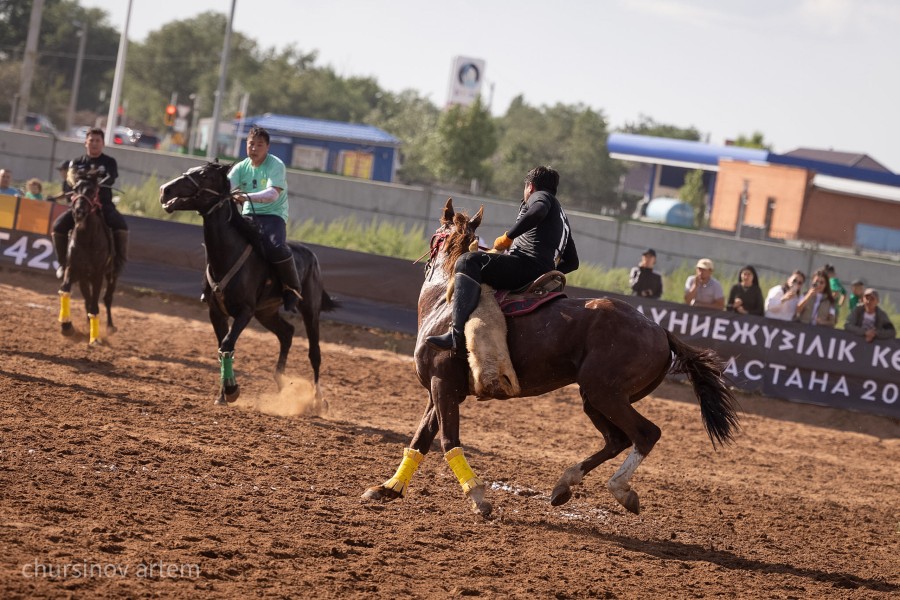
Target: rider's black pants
x=500 y=271
x=274 y=237
x=114 y=220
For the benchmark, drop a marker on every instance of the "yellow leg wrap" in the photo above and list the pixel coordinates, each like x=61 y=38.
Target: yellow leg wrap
x=95 y=327
x=65 y=307
x=457 y=461
x=400 y=481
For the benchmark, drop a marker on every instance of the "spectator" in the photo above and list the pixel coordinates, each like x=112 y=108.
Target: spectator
x=6 y=184
x=818 y=307
x=870 y=321
x=781 y=301
x=702 y=289
x=837 y=290
x=63 y=169
x=33 y=189
x=746 y=296
x=856 y=293
x=644 y=282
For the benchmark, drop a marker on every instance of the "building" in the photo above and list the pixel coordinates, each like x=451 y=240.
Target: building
x=834 y=198
x=350 y=149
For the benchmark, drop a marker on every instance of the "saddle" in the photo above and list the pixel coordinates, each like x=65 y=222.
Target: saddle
x=547 y=287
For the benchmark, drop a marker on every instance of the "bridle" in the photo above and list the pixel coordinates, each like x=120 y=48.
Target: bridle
x=200 y=189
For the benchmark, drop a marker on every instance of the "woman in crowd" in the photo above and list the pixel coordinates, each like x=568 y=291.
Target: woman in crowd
x=817 y=306
x=746 y=296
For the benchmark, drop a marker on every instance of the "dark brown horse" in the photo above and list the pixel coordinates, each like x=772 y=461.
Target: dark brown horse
x=614 y=353
x=243 y=283
x=90 y=258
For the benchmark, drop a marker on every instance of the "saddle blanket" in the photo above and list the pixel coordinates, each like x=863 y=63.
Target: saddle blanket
x=516 y=305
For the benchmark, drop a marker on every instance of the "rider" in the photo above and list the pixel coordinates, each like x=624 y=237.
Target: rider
x=539 y=241
x=94 y=159
x=263 y=180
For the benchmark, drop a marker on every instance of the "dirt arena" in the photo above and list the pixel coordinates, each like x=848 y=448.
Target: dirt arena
x=120 y=478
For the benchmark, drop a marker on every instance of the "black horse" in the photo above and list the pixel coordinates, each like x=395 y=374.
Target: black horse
x=243 y=283
x=90 y=258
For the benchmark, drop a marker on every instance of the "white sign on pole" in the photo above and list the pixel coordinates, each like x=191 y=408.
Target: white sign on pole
x=466 y=77
x=181 y=125
x=183 y=110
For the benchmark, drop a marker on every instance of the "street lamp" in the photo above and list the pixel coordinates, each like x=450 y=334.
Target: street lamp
x=76 y=80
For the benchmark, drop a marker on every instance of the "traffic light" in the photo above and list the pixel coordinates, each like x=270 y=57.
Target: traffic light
x=170 y=115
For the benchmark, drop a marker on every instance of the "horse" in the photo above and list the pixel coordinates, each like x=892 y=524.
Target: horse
x=243 y=283
x=89 y=259
x=614 y=353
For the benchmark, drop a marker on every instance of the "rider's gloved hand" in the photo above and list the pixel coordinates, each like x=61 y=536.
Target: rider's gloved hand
x=503 y=242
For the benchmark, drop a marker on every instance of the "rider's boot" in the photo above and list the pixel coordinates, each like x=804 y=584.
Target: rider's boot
x=287 y=272
x=120 y=237
x=466 y=293
x=61 y=245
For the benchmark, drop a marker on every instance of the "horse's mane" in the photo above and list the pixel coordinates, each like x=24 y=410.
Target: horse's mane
x=458 y=242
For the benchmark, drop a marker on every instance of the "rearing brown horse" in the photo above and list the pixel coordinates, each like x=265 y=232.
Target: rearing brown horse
x=614 y=353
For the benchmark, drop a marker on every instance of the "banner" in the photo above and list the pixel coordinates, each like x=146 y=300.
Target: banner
x=466 y=77
x=792 y=361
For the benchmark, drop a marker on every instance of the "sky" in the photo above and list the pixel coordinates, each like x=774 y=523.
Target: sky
x=805 y=73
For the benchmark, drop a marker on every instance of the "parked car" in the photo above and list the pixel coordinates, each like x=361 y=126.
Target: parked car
x=147 y=140
x=35 y=122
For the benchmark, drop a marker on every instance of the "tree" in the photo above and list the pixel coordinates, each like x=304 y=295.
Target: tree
x=57 y=54
x=754 y=141
x=572 y=139
x=464 y=141
x=694 y=193
x=413 y=120
x=647 y=126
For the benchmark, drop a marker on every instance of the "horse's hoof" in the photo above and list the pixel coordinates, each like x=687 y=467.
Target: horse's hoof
x=231 y=394
x=111 y=329
x=379 y=493
x=67 y=328
x=482 y=507
x=220 y=401
x=560 y=495
x=630 y=501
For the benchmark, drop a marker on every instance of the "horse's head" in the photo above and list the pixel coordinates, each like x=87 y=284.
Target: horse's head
x=85 y=194
x=452 y=239
x=200 y=188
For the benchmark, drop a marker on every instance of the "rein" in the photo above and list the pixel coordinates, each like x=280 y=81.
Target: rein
x=218 y=287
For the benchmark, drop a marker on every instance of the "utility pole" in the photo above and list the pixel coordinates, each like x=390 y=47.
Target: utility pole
x=236 y=151
x=195 y=108
x=76 y=80
x=212 y=146
x=28 y=63
x=112 y=115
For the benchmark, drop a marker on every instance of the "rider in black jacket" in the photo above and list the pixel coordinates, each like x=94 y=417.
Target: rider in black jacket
x=540 y=241
x=94 y=159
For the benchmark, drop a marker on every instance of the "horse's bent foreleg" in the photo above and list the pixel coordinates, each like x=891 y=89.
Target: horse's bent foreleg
x=284 y=331
x=396 y=486
x=616 y=441
x=229 y=391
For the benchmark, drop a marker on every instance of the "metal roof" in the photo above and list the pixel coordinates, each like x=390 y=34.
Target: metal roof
x=697 y=155
x=321 y=129
x=677 y=153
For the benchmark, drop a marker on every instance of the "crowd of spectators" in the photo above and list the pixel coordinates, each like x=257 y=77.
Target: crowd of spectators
x=33 y=189
x=818 y=306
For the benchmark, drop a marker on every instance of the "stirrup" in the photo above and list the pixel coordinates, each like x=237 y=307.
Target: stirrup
x=447 y=341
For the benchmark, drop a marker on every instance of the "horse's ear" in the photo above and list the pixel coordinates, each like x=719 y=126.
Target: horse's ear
x=447 y=216
x=476 y=220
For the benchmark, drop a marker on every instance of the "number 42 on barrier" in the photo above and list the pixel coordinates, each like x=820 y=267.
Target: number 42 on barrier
x=36 y=255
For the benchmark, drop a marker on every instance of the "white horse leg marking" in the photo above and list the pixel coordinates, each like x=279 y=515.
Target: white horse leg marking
x=618 y=483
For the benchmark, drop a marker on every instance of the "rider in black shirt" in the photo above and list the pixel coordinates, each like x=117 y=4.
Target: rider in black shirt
x=539 y=241
x=94 y=159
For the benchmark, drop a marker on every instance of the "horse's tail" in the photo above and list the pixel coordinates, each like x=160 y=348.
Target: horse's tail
x=717 y=404
x=329 y=303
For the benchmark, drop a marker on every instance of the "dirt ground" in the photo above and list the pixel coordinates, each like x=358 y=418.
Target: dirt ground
x=120 y=478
